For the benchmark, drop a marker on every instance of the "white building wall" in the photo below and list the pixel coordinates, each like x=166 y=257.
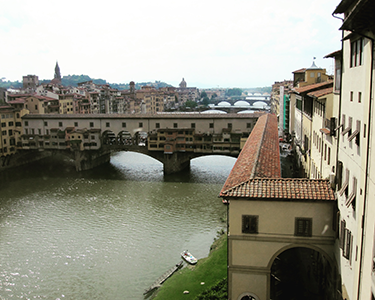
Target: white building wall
x=355 y=82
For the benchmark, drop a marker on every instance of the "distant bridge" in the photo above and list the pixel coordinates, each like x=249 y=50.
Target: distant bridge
x=173 y=139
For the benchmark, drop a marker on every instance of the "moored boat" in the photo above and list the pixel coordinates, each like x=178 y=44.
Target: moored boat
x=188 y=257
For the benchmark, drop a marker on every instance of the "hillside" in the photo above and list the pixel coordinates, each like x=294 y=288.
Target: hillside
x=73 y=80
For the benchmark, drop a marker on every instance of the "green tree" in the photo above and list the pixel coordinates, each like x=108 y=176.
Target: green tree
x=233 y=92
x=205 y=101
x=203 y=94
x=190 y=104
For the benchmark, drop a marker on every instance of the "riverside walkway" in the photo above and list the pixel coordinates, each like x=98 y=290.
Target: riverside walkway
x=163 y=278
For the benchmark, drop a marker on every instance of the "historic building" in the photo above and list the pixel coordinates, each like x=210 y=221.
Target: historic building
x=273 y=222
x=355 y=130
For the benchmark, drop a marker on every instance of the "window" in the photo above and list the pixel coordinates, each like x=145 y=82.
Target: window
x=45 y=123
x=140 y=124
x=329 y=155
x=344 y=187
x=325 y=151
x=351 y=96
x=356 y=53
x=229 y=125
x=248 y=125
x=60 y=124
x=353 y=194
x=250 y=224
x=107 y=124
x=303 y=227
x=26 y=123
x=192 y=125
x=355 y=133
x=10 y=123
x=347 y=243
x=3 y=124
x=75 y=124
x=123 y=124
x=175 y=125
x=211 y=125
x=157 y=125
x=359 y=97
x=91 y=124
x=349 y=128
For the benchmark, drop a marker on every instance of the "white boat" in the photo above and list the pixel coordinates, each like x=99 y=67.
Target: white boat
x=188 y=257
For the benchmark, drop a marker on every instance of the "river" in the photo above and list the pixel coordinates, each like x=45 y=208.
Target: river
x=106 y=233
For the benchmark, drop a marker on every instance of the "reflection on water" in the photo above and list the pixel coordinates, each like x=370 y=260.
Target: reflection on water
x=106 y=233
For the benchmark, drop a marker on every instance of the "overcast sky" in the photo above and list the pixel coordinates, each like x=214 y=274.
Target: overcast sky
x=238 y=43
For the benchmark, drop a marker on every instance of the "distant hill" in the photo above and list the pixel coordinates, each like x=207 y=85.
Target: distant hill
x=73 y=80
x=266 y=89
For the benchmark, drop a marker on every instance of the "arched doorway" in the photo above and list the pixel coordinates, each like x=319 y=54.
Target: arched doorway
x=141 y=138
x=303 y=273
x=124 y=138
x=109 y=138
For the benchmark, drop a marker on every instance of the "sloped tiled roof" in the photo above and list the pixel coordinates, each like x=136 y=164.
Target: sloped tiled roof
x=291 y=189
x=260 y=157
x=256 y=175
x=300 y=70
x=312 y=87
x=320 y=93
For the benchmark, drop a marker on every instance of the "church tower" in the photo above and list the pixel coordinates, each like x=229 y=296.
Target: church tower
x=57 y=77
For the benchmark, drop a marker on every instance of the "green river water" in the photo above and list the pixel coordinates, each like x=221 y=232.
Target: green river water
x=106 y=233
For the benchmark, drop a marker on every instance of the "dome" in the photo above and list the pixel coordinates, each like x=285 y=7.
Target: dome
x=260 y=104
x=224 y=103
x=242 y=103
x=213 y=111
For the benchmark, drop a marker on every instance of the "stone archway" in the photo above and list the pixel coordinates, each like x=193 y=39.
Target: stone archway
x=109 y=138
x=303 y=272
x=124 y=138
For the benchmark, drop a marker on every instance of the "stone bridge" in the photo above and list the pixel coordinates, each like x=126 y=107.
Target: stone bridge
x=173 y=139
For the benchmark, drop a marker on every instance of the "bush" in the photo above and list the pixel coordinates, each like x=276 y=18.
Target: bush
x=218 y=292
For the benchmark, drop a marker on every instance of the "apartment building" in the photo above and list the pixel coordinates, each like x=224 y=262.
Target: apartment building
x=333 y=130
x=10 y=135
x=355 y=174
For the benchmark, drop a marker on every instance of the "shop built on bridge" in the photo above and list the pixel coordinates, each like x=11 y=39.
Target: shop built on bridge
x=173 y=139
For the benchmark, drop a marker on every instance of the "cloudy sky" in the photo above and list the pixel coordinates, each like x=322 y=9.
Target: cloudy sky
x=238 y=43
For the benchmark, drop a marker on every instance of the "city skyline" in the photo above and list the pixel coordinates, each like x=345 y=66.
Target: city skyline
x=210 y=44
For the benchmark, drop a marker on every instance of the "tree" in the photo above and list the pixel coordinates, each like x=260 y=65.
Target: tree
x=233 y=92
x=203 y=94
x=205 y=101
x=190 y=104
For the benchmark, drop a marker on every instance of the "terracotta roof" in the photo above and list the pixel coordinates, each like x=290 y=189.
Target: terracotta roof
x=333 y=54
x=312 y=87
x=300 y=71
x=17 y=101
x=320 y=93
x=282 y=189
x=260 y=157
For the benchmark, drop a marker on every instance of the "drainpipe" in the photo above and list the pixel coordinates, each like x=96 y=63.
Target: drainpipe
x=367 y=165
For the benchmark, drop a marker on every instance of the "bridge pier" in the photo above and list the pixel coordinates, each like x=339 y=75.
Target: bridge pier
x=85 y=160
x=176 y=162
